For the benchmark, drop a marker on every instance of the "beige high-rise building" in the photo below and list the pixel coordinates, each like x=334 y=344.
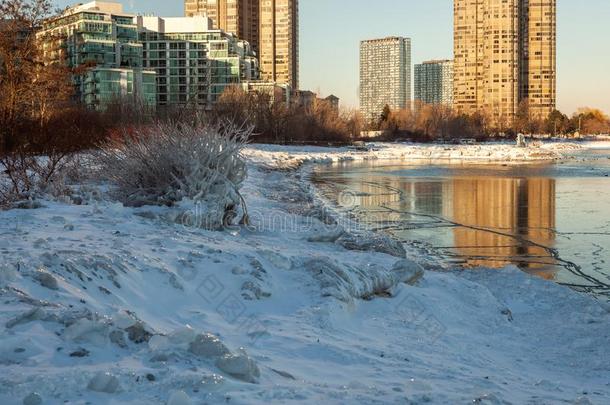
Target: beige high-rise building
x=279 y=41
x=271 y=27
x=505 y=52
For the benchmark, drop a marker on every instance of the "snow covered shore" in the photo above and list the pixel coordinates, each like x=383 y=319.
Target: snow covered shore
x=106 y=304
x=498 y=152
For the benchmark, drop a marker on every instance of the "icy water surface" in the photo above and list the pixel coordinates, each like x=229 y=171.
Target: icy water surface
x=549 y=219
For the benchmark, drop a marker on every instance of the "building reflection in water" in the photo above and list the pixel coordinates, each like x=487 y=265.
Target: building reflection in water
x=504 y=220
x=515 y=221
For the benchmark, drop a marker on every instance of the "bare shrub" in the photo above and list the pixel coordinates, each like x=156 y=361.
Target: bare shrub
x=166 y=163
x=26 y=177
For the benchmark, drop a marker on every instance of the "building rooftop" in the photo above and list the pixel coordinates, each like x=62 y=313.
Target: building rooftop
x=104 y=6
x=386 y=39
x=197 y=23
x=436 y=61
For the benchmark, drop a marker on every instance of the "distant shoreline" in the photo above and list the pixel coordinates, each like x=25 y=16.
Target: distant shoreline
x=282 y=156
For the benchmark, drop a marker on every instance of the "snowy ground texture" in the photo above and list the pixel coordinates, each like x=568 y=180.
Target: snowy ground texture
x=104 y=304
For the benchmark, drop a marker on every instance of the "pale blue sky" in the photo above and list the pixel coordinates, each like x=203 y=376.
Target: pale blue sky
x=330 y=32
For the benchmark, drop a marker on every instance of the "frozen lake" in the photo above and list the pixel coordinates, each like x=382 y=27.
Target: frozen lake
x=549 y=219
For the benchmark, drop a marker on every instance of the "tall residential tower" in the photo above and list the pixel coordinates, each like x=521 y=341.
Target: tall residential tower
x=270 y=26
x=385 y=75
x=434 y=82
x=505 y=53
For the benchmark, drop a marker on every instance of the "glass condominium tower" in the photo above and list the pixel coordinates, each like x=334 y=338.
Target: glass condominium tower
x=385 y=75
x=194 y=63
x=270 y=26
x=100 y=43
x=505 y=53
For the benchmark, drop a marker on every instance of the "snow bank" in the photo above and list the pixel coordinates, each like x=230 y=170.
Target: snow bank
x=147 y=311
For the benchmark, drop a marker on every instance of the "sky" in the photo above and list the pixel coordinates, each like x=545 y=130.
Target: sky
x=331 y=31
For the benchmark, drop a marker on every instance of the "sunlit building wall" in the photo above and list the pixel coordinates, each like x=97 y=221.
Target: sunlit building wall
x=505 y=53
x=279 y=41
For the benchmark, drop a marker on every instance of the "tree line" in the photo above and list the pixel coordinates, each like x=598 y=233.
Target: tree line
x=426 y=122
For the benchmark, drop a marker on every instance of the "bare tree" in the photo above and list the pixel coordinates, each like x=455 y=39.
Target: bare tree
x=34 y=93
x=25 y=84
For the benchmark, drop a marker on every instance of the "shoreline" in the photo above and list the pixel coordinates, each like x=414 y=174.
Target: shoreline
x=321 y=318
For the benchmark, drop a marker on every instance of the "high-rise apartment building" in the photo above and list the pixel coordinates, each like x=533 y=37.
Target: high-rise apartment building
x=271 y=26
x=385 y=75
x=194 y=63
x=279 y=41
x=505 y=53
x=434 y=83
x=157 y=61
x=100 y=41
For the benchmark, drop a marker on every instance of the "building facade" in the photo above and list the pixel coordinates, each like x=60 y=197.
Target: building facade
x=100 y=42
x=279 y=41
x=385 y=76
x=150 y=60
x=505 y=54
x=271 y=26
x=193 y=62
x=239 y=17
x=433 y=83
x=309 y=99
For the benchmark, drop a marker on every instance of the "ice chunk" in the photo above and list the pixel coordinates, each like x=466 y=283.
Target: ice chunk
x=240 y=366
x=346 y=282
x=280 y=261
x=158 y=342
x=46 y=279
x=183 y=336
x=208 y=346
x=124 y=320
x=327 y=236
x=372 y=242
x=408 y=271
x=85 y=330
x=7 y=274
x=118 y=338
x=179 y=398
x=138 y=333
x=32 y=399
x=104 y=382
x=34 y=314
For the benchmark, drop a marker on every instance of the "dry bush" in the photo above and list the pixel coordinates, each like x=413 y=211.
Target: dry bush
x=26 y=177
x=166 y=163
